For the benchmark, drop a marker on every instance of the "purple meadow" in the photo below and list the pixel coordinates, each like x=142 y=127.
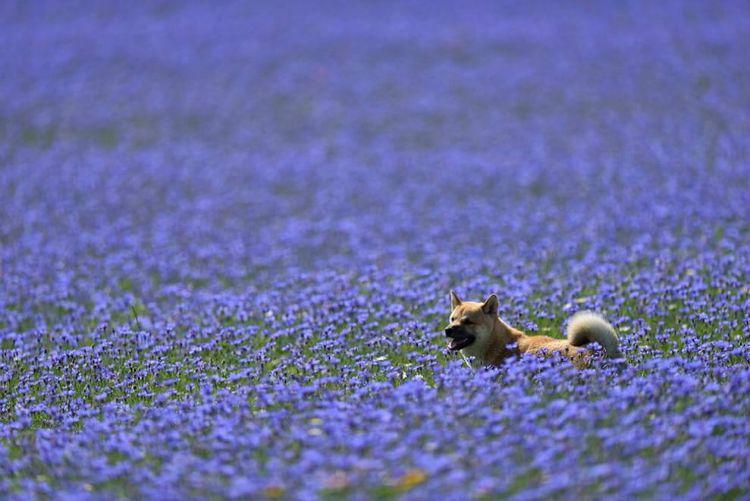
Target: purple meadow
x=228 y=233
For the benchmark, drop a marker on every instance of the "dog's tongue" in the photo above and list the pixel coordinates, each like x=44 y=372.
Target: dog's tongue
x=452 y=345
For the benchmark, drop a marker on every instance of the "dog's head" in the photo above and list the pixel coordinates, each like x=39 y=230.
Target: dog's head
x=471 y=324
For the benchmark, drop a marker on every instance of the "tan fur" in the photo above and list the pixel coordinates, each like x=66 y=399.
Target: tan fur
x=495 y=340
x=588 y=327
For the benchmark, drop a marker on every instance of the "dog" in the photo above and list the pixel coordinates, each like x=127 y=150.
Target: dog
x=477 y=332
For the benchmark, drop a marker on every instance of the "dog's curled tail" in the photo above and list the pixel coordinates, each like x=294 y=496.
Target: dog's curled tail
x=587 y=327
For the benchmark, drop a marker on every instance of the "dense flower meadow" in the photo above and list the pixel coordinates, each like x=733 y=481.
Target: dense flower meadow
x=228 y=232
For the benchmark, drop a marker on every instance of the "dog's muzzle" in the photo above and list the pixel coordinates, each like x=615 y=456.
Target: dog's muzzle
x=459 y=338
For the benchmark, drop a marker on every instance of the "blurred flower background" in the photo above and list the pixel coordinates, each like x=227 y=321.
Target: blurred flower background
x=228 y=231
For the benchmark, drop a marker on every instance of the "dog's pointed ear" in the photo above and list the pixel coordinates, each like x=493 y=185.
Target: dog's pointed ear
x=455 y=300
x=490 y=305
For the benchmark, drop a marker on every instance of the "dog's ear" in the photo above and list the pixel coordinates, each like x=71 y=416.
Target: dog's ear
x=490 y=305
x=455 y=300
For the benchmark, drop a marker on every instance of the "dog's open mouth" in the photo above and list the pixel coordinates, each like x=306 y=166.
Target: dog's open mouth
x=460 y=341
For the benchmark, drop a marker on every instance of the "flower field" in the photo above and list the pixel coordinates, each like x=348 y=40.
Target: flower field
x=228 y=232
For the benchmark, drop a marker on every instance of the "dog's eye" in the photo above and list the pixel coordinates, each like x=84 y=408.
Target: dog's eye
x=466 y=321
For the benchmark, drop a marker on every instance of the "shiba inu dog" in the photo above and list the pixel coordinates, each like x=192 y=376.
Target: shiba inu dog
x=476 y=331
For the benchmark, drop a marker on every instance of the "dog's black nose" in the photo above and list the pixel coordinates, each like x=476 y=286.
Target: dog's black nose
x=450 y=330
